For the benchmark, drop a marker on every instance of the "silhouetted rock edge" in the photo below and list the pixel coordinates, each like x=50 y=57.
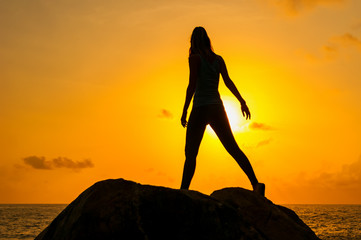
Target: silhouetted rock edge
x=121 y=209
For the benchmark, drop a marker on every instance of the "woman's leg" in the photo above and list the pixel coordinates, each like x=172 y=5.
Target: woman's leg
x=195 y=130
x=220 y=124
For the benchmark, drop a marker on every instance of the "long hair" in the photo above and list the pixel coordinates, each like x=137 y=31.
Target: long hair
x=200 y=42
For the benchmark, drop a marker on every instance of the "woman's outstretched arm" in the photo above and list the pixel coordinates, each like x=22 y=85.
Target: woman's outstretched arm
x=194 y=61
x=230 y=85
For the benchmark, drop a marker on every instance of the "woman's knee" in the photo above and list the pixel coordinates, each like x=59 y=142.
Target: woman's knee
x=191 y=154
x=235 y=151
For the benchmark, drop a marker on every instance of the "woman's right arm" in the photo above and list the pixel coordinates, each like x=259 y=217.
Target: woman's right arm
x=194 y=61
x=232 y=87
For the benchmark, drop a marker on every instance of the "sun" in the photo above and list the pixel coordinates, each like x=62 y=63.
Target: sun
x=234 y=114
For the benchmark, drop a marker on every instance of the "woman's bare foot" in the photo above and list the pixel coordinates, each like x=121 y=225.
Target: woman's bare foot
x=259 y=188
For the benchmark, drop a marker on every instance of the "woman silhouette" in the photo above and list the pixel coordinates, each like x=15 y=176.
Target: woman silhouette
x=205 y=67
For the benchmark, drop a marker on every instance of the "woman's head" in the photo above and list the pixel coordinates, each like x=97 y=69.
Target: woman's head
x=200 y=42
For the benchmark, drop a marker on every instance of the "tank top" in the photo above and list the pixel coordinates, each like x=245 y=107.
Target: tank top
x=206 y=91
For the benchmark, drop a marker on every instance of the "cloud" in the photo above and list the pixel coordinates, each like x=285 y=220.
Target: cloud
x=348 y=176
x=334 y=47
x=37 y=162
x=264 y=142
x=339 y=42
x=165 y=114
x=68 y=163
x=330 y=49
x=260 y=126
x=350 y=40
x=337 y=187
x=294 y=7
x=60 y=162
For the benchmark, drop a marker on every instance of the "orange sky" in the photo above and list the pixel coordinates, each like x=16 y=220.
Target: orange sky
x=94 y=90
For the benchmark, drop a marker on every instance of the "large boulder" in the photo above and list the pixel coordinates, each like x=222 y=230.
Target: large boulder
x=120 y=209
x=274 y=221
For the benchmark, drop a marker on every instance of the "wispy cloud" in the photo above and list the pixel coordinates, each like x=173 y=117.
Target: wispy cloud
x=68 y=163
x=335 y=46
x=337 y=43
x=328 y=51
x=350 y=40
x=348 y=176
x=264 y=142
x=260 y=126
x=164 y=113
x=295 y=7
x=60 y=162
x=334 y=186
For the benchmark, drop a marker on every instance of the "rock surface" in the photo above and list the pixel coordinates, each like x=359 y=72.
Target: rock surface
x=120 y=209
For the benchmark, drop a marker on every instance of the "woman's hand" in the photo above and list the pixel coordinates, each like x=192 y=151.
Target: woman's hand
x=245 y=110
x=184 y=119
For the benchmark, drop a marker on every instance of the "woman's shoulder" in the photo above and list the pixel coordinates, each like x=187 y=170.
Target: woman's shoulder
x=219 y=58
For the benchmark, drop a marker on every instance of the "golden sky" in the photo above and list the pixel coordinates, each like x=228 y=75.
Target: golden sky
x=91 y=90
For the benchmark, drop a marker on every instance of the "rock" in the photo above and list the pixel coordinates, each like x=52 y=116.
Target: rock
x=275 y=222
x=120 y=209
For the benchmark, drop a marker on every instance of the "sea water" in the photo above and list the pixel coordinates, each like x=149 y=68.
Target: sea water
x=26 y=221
x=336 y=222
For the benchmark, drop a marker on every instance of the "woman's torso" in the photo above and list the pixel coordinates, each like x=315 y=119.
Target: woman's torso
x=207 y=83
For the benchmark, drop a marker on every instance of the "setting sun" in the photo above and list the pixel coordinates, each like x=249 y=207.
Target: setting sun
x=236 y=120
x=234 y=113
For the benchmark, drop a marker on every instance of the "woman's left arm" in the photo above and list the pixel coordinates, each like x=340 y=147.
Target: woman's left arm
x=232 y=87
x=194 y=61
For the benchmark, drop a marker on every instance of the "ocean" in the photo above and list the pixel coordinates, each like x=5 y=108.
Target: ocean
x=336 y=222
